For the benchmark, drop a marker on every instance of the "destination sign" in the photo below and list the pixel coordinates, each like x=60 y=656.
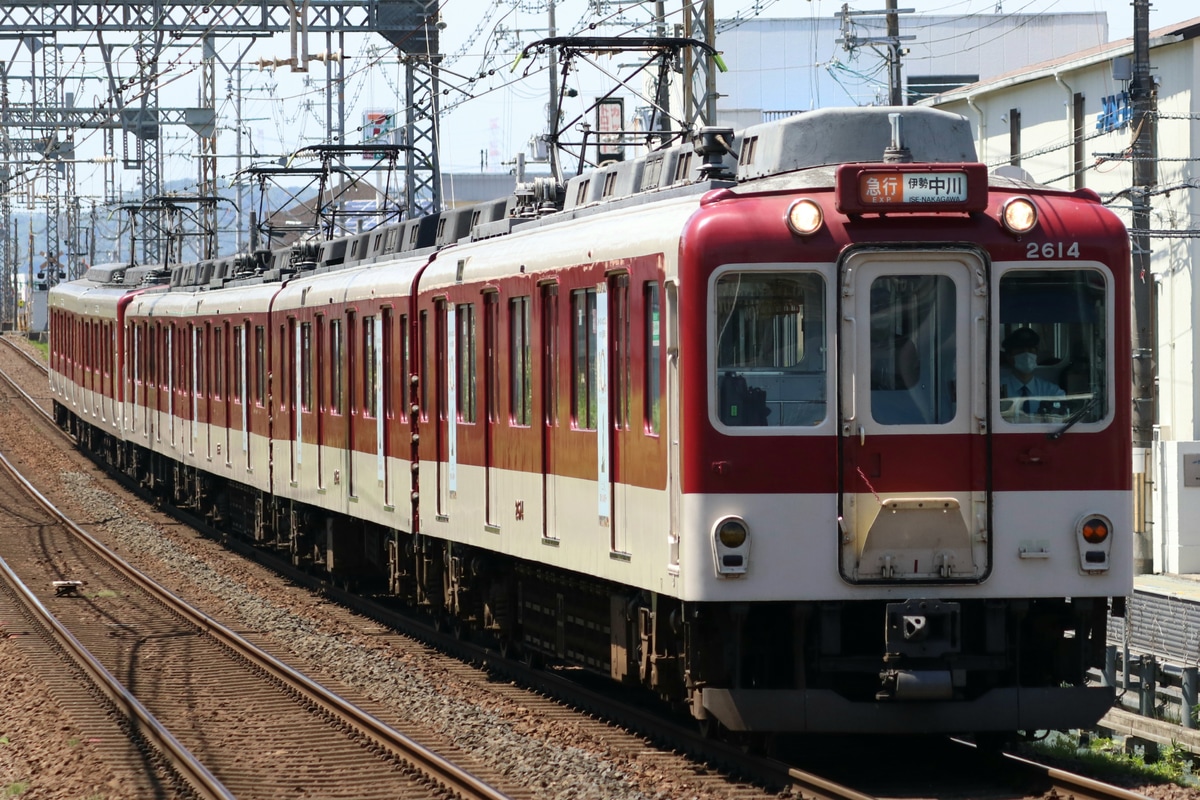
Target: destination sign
x=923 y=187
x=912 y=188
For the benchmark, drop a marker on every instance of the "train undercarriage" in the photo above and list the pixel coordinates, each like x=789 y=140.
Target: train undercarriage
x=835 y=666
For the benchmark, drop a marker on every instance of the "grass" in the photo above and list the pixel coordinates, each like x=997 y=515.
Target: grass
x=14 y=789
x=1107 y=758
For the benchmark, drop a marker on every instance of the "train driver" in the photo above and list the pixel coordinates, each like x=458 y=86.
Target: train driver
x=1029 y=396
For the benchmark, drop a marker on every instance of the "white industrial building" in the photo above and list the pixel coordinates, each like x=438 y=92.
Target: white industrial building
x=1068 y=123
x=780 y=66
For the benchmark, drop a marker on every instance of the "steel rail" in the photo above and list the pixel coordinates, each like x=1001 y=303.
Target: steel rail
x=393 y=742
x=42 y=365
x=181 y=759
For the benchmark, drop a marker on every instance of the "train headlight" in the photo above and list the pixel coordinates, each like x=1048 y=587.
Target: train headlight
x=1019 y=215
x=731 y=546
x=1093 y=535
x=805 y=217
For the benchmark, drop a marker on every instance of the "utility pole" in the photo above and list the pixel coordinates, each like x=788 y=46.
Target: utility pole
x=554 y=104
x=891 y=42
x=895 y=85
x=1145 y=176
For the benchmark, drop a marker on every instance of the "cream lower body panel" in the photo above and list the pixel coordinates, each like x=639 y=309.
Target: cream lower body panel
x=794 y=542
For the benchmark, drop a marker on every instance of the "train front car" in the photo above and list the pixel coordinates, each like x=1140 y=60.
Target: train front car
x=906 y=440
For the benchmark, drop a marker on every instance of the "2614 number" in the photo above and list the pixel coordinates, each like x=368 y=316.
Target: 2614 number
x=1052 y=250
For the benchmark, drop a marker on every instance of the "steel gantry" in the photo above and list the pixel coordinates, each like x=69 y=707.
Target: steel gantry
x=131 y=107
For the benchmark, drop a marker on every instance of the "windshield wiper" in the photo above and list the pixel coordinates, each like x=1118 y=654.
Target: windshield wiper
x=1074 y=418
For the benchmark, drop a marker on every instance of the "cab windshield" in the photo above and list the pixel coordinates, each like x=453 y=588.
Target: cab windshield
x=770 y=349
x=1052 y=347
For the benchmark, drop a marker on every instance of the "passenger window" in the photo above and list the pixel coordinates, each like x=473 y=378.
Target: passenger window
x=770 y=349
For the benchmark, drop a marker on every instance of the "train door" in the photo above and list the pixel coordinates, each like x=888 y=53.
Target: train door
x=446 y=419
x=242 y=392
x=914 y=494
x=304 y=366
x=225 y=387
x=322 y=401
x=619 y=380
x=667 y=328
x=135 y=365
x=290 y=385
x=171 y=359
x=491 y=400
x=352 y=409
x=208 y=370
x=195 y=365
x=376 y=385
x=549 y=396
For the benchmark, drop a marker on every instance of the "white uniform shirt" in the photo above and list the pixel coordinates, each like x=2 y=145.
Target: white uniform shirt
x=1038 y=390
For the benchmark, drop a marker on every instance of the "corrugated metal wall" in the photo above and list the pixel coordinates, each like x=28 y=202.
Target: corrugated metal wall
x=1165 y=626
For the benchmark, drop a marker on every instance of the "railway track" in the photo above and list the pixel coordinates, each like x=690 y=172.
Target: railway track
x=228 y=717
x=27 y=375
x=563 y=695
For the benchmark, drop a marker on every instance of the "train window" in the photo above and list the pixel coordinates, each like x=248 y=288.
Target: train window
x=184 y=361
x=426 y=370
x=653 y=399
x=335 y=365
x=550 y=353
x=388 y=345
x=402 y=370
x=260 y=365
x=1053 y=348
x=583 y=358
x=239 y=358
x=306 y=366
x=287 y=367
x=218 y=348
x=198 y=361
x=370 y=379
x=618 y=298
x=152 y=340
x=491 y=341
x=913 y=350
x=464 y=316
x=521 y=383
x=770 y=349
x=166 y=367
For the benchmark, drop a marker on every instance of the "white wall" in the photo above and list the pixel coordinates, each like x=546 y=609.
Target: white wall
x=797 y=64
x=1044 y=96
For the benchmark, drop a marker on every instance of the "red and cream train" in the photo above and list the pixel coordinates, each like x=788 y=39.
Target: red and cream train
x=728 y=420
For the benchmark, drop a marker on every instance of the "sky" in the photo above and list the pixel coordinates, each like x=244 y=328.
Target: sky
x=490 y=128
x=490 y=111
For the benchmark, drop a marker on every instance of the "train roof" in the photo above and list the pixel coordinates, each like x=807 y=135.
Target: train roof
x=350 y=285
x=800 y=150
